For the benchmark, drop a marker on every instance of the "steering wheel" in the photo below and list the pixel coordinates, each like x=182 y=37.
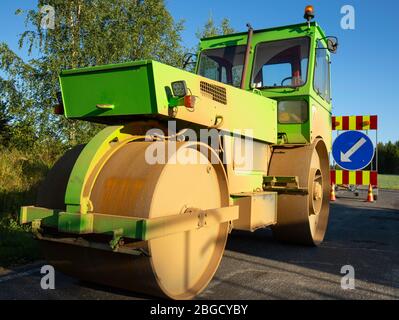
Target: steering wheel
x=285 y=79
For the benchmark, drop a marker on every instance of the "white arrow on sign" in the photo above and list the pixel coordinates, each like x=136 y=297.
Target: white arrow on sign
x=345 y=157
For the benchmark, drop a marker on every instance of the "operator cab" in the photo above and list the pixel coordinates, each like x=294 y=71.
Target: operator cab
x=290 y=64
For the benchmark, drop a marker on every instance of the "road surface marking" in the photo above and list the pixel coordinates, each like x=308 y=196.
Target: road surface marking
x=15 y=275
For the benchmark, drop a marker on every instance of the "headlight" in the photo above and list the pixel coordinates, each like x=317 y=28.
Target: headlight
x=294 y=111
x=179 y=88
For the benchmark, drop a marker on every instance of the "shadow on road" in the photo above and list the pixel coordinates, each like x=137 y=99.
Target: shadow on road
x=365 y=237
x=255 y=266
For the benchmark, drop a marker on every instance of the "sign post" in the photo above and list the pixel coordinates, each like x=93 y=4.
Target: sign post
x=354 y=154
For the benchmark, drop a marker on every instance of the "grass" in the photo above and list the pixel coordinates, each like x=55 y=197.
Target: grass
x=20 y=175
x=387 y=181
x=17 y=245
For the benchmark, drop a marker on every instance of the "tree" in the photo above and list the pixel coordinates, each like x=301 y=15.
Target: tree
x=5 y=130
x=86 y=33
x=388 y=158
x=210 y=29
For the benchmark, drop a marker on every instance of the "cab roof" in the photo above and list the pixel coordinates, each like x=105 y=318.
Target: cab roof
x=302 y=27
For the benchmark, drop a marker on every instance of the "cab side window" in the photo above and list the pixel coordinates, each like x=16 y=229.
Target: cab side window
x=223 y=64
x=322 y=72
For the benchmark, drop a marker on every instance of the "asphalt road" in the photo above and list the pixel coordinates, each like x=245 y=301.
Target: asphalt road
x=363 y=235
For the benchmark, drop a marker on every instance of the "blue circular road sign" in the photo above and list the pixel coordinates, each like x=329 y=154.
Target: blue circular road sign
x=353 y=150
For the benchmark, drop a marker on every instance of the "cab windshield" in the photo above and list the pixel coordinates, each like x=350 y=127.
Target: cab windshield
x=223 y=64
x=282 y=63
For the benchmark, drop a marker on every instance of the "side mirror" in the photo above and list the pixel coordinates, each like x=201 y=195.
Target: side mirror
x=332 y=44
x=188 y=59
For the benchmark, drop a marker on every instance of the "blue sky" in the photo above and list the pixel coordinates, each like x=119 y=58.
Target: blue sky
x=364 y=71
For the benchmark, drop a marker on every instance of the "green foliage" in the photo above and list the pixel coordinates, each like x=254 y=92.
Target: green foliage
x=388 y=158
x=17 y=245
x=101 y=31
x=5 y=130
x=20 y=175
x=210 y=29
x=86 y=33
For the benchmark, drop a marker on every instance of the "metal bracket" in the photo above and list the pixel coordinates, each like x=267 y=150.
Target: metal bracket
x=283 y=182
x=36 y=226
x=301 y=191
x=202 y=219
x=128 y=227
x=117 y=239
x=136 y=249
x=202 y=215
x=283 y=185
x=231 y=226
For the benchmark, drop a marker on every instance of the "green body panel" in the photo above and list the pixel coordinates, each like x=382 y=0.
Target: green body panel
x=127 y=87
x=296 y=133
x=75 y=199
x=47 y=216
x=74 y=223
x=83 y=166
x=320 y=120
x=124 y=226
x=121 y=85
x=243 y=110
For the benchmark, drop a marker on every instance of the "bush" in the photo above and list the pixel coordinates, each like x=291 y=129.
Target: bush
x=388 y=158
x=20 y=175
x=17 y=245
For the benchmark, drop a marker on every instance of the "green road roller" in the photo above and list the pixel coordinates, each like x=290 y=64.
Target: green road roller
x=186 y=157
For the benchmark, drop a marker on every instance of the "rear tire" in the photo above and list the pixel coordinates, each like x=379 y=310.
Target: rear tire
x=302 y=219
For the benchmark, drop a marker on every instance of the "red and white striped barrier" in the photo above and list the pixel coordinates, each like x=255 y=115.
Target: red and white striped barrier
x=354 y=122
x=364 y=178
